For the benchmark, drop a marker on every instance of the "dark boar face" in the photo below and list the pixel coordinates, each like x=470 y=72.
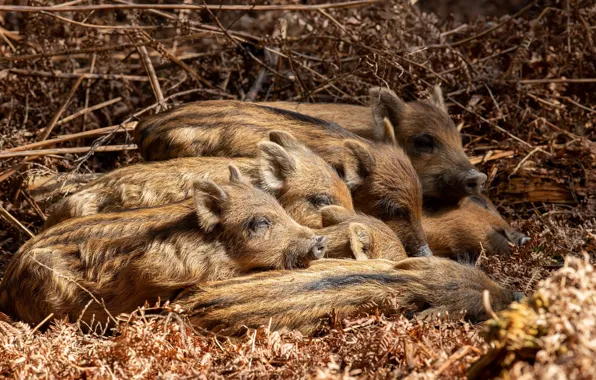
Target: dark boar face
x=431 y=140
x=440 y=285
x=491 y=228
x=385 y=185
x=301 y=180
x=254 y=225
x=369 y=238
x=462 y=231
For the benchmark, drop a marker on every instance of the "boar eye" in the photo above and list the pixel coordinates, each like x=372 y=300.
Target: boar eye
x=320 y=200
x=259 y=223
x=479 y=200
x=425 y=143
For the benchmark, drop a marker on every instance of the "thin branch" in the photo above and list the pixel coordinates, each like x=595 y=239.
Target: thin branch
x=15 y=221
x=102 y=49
x=132 y=78
x=578 y=104
x=87 y=110
x=111 y=7
x=490 y=123
x=554 y=80
x=48 y=129
x=127 y=127
x=151 y=73
x=476 y=36
x=83 y=149
x=234 y=40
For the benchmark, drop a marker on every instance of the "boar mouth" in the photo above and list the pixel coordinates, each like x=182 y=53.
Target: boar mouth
x=499 y=241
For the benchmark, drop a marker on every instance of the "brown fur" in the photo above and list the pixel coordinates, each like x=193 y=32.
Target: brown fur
x=302 y=299
x=358 y=236
x=301 y=181
x=462 y=231
x=442 y=168
x=383 y=181
x=141 y=255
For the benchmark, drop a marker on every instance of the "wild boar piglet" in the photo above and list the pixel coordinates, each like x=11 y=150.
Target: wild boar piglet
x=359 y=236
x=381 y=177
x=423 y=129
x=301 y=181
x=146 y=254
x=462 y=231
x=420 y=286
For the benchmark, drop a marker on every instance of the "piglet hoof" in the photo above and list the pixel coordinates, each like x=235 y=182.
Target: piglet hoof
x=317 y=250
x=523 y=240
x=518 y=296
x=423 y=251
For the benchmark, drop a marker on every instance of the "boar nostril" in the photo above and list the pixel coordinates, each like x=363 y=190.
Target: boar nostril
x=518 y=296
x=474 y=182
x=523 y=240
x=424 y=251
x=317 y=250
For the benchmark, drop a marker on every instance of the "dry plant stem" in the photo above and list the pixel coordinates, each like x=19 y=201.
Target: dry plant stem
x=554 y=80
x=453 y=358
x=14 y=221
x=87 y=110
x=95 y=132
x=578 y=104
x=474 y=37
x=48 y=129
x=132 y=78
x=83 y=149
x=40 y=324
x=88 y=90
x=151 y=73
x=103 y=49
x=233 y=39
x=481 y=159
x=523 y=161
x=86 y=8
x=490 y=123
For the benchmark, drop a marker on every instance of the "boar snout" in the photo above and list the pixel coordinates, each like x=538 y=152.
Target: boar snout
x=473 y=181
x=518 y=296
x=523 y=240
x=317 y=250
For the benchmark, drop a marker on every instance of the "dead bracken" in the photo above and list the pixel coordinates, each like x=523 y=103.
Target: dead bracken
x=521 y=90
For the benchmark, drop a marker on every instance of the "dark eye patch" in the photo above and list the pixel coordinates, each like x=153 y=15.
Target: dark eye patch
x=425 y=143
x=321 y=200
x=390 y=210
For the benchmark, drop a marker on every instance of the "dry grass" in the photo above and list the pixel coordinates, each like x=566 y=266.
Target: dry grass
x=525 y=86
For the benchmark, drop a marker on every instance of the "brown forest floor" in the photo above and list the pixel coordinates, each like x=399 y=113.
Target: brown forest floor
x=522 y=90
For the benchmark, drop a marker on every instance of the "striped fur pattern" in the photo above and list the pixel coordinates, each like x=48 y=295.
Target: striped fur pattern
x=383 y=181
x=140 y=255
x=422 y=128
x=359 y=236
x=304 y=299
x=462 y=231
x=301 y=181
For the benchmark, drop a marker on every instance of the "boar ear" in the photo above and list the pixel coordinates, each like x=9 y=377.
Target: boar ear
x=209 y=200
x=358 y=163
x=436 y=98
x=385 y=104
x=388 y=132
x=275 y=165
x=236 y=176
x=285 y=139
x=332 y=215
x=360 y=240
